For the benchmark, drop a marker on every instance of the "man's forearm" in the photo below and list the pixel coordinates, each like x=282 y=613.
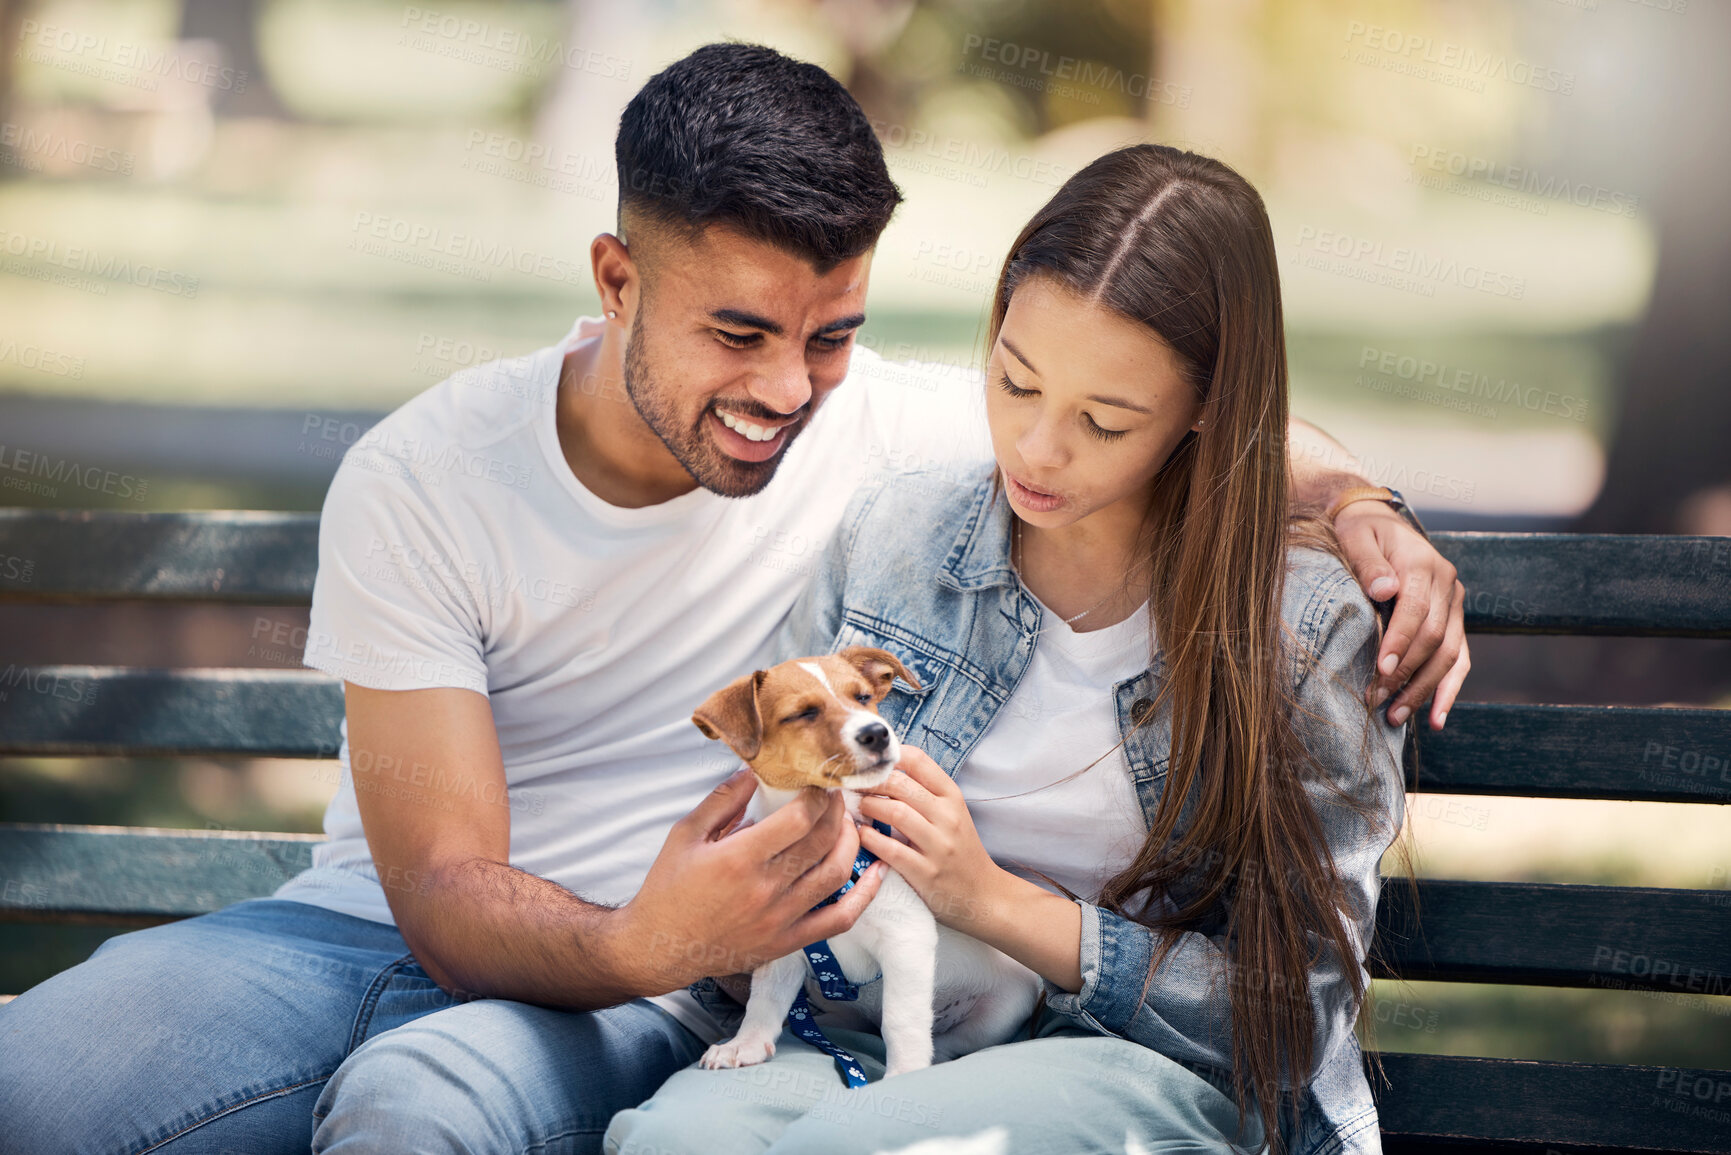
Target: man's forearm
x=1322 y=468
x=490 y=930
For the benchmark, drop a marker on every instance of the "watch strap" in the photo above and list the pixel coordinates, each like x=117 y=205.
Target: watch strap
x=1359 y=493
x=1381 y=493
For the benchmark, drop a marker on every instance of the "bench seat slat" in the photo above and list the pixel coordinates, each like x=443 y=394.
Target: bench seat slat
x=1437 y=1103
x=1612 y=752
x=1605 y=584
x=65 y=710
x=237 y=556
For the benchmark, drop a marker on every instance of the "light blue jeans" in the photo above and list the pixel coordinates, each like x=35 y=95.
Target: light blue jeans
x=1063 y=1090
x=271 y=1025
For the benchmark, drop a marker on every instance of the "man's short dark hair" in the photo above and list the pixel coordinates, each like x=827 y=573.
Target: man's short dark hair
x=777 y=148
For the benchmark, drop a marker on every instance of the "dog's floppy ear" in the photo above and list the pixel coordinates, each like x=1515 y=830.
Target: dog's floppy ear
x=731 y=714
x=880 y=667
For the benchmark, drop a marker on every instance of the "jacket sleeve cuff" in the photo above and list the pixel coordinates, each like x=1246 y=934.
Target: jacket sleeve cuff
x=1114 y=960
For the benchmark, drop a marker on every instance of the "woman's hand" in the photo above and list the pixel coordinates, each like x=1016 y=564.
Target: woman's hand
x=944 y=860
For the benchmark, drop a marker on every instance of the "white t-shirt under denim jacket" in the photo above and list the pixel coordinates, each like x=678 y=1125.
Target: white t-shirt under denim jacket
x=457 y=549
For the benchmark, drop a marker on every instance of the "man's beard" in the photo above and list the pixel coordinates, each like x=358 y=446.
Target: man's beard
x=693 y=446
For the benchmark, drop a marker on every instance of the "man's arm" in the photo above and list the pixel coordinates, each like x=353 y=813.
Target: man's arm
x=713 y=902
x=1424 y=648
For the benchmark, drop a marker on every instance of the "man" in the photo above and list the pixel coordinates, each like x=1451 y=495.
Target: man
x=529 y=576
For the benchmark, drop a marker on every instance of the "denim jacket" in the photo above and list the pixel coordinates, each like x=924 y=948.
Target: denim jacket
x=920 y=567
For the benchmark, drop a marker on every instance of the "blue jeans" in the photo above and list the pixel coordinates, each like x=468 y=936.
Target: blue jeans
x=271 y=1025
x=1064 y=1090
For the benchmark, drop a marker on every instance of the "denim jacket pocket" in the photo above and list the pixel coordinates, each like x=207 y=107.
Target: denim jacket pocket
x=1147 y=736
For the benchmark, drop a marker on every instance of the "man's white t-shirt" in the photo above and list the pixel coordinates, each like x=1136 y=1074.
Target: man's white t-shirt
x=457 y=549
x=1025 y=795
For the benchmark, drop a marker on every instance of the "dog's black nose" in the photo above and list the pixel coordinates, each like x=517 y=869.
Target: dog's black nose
x=874 y=736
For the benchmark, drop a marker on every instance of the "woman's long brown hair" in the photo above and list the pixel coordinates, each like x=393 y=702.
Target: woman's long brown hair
x=1182 y=244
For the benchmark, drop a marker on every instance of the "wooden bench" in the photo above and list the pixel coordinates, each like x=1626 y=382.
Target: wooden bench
x=1481 y=932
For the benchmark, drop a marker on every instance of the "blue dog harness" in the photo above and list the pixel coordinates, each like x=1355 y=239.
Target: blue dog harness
x=831 y=980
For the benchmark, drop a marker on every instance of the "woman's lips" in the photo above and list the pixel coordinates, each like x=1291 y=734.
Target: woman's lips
x=1032 y=499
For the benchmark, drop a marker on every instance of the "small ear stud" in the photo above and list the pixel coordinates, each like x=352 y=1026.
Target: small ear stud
x=612 y=313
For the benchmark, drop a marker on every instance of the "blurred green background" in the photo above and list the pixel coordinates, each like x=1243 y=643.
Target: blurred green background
x=1503 y=246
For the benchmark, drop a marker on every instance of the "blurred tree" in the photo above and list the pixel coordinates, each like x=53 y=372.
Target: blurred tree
x=233 y=25
x=1669 y=466
x=11 y=13
x=1058 y=63
x=866 y=28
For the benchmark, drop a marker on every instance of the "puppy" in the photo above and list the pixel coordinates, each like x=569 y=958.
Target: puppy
x=814 y=722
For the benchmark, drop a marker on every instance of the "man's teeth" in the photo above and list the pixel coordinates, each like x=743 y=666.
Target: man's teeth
x=746 y=429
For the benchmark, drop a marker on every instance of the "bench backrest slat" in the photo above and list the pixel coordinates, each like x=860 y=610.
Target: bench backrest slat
x=85 y=873
x=261 y=558
x=1551 y=934
x=1533 y=751
x=1609 y=584
x=1512 y=1105
x=1516 y=583
x=1613 y=752
x=1624 y=937
x=66 y=710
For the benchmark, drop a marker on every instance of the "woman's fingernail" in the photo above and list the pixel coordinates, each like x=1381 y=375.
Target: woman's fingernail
x=1441 y=718
x=1389 y=663
x=1399 y=715
x=1383 y=587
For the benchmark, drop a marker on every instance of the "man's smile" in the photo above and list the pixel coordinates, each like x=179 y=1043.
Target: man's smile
x=747 y=440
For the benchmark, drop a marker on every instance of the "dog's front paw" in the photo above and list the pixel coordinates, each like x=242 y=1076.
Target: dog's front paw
x=737 y=1053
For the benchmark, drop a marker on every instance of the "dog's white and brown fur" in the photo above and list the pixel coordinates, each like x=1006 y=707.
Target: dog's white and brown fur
x=814 y=722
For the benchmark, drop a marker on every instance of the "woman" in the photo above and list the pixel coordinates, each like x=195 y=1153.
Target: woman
x=1142 y=673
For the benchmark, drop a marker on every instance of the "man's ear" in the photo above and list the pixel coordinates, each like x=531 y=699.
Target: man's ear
x=731 y=714
x=879 y=667
x=617 y=277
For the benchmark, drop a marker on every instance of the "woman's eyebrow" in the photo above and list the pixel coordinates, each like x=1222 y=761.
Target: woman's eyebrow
x=1119 y=402
x=1017 y=353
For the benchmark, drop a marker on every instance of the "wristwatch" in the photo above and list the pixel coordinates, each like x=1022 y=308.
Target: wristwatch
x=1378 y=493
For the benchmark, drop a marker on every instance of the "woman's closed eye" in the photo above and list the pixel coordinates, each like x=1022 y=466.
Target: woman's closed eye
x=1015 y=390
x=1103 y=434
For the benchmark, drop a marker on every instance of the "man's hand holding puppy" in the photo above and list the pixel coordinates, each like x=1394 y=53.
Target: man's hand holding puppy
x=720 y=901
x=712 y=902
